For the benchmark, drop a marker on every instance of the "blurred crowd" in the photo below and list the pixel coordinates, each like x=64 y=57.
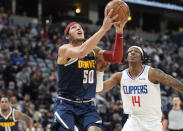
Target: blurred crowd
x=28 y=73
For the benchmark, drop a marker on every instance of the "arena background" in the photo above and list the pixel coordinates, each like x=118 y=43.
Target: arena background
x=31 y=32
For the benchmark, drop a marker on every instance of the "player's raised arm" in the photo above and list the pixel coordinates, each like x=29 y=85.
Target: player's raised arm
x=116 y=55
x=90 y=44
x=113 y=81
x=158 y=76
x=25 y=118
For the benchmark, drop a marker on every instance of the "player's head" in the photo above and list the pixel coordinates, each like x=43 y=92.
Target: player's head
x=135 y=54
x=4 y=103
x=176 y=101
x=74 y=32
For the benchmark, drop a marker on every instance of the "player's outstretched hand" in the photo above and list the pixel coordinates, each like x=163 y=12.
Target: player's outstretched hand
x=119 y=26
x=109 y=21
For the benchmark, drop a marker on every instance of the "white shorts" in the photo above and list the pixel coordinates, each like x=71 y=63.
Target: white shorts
x=134 y=123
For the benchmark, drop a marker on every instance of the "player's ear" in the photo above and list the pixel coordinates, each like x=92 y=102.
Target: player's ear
x=125 y=59
x=67 y=36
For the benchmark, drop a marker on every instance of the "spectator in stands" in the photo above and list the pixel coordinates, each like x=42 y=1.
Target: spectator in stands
x=109 y=97
x=11 y=85
x=10 y=93
x=26 y=102
x=2 y=86
x=37 y=127
x=5 y=57
x=48 y=126
x=116 y=119
x=23 y=78
x=15 y=104
x=118 y=127
x=9 y=73
x=180 y=50
x=16 y=58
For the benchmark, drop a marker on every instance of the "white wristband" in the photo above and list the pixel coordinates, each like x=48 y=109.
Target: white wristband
x=99 y=86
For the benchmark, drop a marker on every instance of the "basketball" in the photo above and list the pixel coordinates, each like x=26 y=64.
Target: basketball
x=119 y=7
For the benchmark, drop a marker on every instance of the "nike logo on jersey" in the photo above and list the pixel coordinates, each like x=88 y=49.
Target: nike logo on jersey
x=136 y=89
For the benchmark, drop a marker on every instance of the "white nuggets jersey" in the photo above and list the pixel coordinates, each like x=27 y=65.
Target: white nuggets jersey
x=141 y=97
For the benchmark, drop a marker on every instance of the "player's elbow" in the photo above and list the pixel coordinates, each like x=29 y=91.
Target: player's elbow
x=112 y=57
x=116 y=60
x=119 y=59
x=113 y=60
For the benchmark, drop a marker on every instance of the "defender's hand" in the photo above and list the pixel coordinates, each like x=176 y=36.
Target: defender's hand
x=119 y=27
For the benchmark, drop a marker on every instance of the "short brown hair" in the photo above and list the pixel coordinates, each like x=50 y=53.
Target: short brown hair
x=4 y=97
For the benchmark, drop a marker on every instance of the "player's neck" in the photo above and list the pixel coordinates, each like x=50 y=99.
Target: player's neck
x=5 y=112
x=135 y=69
x=176 y=107
x=76 y=43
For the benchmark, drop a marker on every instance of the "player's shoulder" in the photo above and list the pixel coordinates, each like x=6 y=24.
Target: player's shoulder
x=155 y=75
x=153 y=70
x=15 y=111
x=65 y=46
x=124 y=70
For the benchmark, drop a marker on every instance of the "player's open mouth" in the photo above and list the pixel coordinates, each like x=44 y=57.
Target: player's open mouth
x=79 y=33
x=133 y=57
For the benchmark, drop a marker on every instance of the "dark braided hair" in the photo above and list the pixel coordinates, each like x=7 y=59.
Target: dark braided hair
x=145 y=58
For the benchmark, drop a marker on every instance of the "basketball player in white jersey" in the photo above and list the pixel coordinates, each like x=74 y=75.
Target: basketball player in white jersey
x=140 y=90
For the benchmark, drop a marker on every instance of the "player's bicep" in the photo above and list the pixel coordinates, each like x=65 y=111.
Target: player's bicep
x=161 y=77
x=113 y=81
x=21 y=116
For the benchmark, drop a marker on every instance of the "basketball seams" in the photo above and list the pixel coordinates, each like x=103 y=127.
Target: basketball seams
x=120 y=8
x=117 y=9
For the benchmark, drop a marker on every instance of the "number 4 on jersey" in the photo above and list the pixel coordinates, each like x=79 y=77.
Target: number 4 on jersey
x=135 y=100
